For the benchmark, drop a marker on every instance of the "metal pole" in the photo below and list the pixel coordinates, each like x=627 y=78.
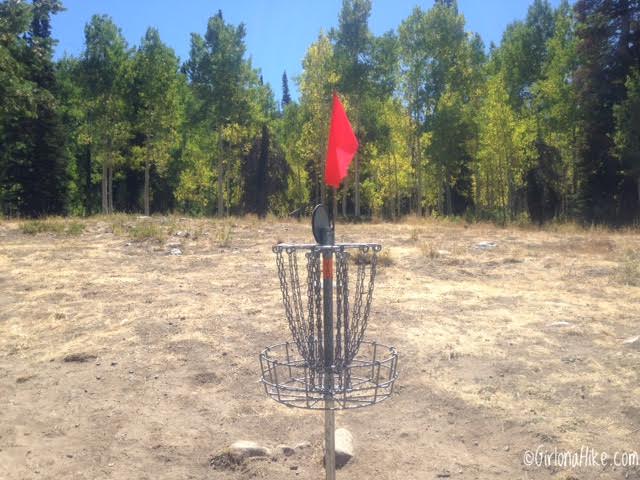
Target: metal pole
x=329 y=414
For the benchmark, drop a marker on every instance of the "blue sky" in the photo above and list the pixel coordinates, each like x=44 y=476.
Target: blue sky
x=278 y=31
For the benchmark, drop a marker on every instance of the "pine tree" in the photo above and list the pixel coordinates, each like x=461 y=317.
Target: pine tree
x=627 y=135
x=286 y=96
x=608 y=47
x=33 y=163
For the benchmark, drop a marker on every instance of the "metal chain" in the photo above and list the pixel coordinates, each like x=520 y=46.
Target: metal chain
x=352 y=313
x=315 y=314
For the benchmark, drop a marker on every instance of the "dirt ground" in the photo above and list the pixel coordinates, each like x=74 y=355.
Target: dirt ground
x=120 y=361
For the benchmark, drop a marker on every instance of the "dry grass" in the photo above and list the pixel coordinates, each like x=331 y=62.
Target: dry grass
x=147 y=230
x=429 y=251
x=224 y=234
x=126 y=362
x=628 y=269
x=54 y=225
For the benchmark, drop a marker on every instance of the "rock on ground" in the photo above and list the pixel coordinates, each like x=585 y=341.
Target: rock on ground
x=344 y=447
x=302 y=445
x=285 y=450
x=485 y=245
x=244 y=449
x=560 y=324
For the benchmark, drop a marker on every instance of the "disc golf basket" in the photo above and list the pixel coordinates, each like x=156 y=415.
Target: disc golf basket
x=328 y=365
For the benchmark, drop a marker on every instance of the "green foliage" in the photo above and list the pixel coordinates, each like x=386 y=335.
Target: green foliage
x=442 y=72
x=504 y=154
x=104 y=72
x=607 y=50
x=391 y=172
x=545 y=127
x=317 y=82
x=555 y=104
x=286 y=96
x=230 y=100
x=627 y=133
x=158 y=114
x=32 y=158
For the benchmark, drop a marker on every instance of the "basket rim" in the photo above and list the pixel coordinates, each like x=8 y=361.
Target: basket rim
x=298 y=361
x=280 y=247
x=356 y=388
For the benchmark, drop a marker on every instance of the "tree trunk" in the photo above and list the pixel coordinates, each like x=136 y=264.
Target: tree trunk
x=299 y=181
x=442 y=203
x=638 y=185
x=418 y=176
x=345 y=191
x=357 y=186
x=227 y=183
x=447 y=192
x=110 y=170
x=220 y=177
x=220 y=189
x=396 y=207
x=323 y=186
x=147 y=168
x=105 y=200
x=335 y=204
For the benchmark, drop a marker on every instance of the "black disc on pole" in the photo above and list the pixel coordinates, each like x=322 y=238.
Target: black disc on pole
x=320 y=222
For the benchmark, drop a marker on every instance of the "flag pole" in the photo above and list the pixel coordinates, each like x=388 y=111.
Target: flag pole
x=342 y=146
x=334 y=208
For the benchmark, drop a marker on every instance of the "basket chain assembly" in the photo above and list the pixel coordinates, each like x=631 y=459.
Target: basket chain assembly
x=351 y=319
x=296 y=373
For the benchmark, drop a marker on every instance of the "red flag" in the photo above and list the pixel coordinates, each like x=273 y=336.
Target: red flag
x=343 y=145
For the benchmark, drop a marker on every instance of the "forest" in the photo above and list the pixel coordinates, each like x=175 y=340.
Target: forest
x=543 y=127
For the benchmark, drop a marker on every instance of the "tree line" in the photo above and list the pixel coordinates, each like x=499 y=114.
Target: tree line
x=544 y=126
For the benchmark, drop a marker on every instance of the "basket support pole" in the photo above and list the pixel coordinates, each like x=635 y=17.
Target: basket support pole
x=329 y=413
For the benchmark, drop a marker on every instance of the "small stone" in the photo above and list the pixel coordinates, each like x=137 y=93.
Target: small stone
x=244 y=449
x=299 y=446
x=175 y=252
x=344 y=447
x=485 y=245
x=443 y=253
x=293 y=467
x=506 y=449
x=560 y=324
x=633 y=342
x=285 y=450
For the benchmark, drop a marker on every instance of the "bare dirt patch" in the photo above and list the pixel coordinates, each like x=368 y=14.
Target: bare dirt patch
x=119 y=360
